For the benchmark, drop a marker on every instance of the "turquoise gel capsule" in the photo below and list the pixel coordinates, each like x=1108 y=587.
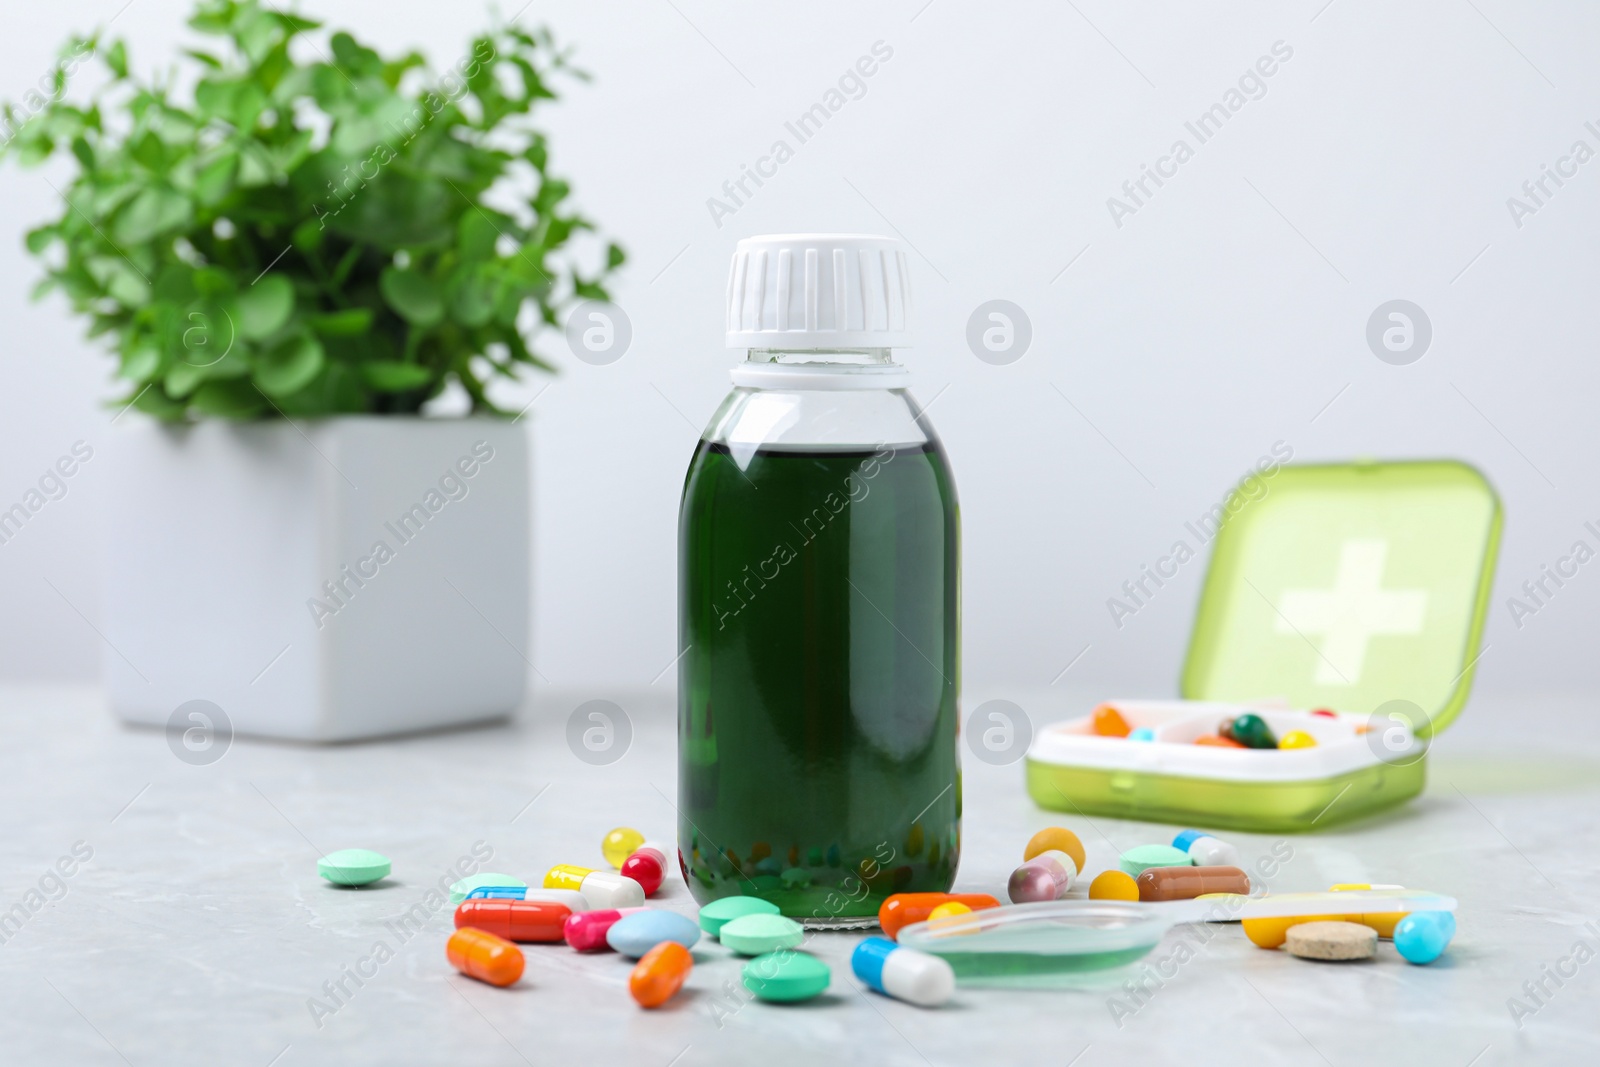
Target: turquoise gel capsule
x=1422 y=936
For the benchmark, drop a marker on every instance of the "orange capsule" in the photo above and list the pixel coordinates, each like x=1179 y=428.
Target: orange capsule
x=481 y=955
x=1217 y=741
x=660 y=974
x=903 y=909
x=1186 y=883
x=1108 y=722
x=515 y=920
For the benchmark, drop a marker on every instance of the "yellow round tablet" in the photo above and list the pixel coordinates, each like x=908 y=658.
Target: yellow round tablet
x=1055 y=837
x=952 y=917
x=1113 y=885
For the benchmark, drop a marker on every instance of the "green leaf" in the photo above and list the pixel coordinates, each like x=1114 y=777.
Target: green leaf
x=41 y=238
x=289 y=367
x=236 y=399
x=293 y=24
x=216 y=178
x=478 y=232
x=127 y=288
x=474 y=296
x=615 y=257
x=117 y=59
x=141 y=363
x=155 y=211
x=214 y=96
x=350 y=323
x=264 y=308
x=388 y=377
x=412 y=295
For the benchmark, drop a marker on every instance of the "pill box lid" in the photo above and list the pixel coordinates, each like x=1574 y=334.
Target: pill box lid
x=1360 y=587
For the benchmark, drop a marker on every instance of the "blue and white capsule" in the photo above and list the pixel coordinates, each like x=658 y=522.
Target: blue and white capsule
x=570 y=897
x=1186 y=838
x=903 y=973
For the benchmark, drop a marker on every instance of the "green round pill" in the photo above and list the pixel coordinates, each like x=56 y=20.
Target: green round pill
x=353 y=866
x=786 y=976
x=753 y=935
x=1138 y=860
x=717 y=914
x=459 y=890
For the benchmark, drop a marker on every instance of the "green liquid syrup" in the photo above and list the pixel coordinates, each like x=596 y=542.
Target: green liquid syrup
x=1033 y=968
x=817 y=717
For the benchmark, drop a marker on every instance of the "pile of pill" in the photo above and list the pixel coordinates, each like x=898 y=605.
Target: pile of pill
x=596 y=910
x=1419 y=937
x=1246 y=730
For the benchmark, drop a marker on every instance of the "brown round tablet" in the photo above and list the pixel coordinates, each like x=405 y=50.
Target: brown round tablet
x=1332 y=941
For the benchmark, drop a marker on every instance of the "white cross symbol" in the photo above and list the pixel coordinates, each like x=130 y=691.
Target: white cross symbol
x=1353 y=612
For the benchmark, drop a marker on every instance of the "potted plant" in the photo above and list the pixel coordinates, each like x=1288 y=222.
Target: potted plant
x=291 y=259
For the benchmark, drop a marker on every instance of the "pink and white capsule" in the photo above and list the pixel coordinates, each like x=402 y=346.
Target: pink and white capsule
x=1048 y=876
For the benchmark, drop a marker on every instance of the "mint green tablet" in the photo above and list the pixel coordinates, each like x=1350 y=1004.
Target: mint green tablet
x=785 y=976
x=1138 y=860
x=715 y=915
x=353 y=866
x=753 y=935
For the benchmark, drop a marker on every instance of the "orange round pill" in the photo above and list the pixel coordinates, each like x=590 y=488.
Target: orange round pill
x=481 y=955
x=1217 y=741
x=1113 y=885
x=1058 y=838
x=660 y=974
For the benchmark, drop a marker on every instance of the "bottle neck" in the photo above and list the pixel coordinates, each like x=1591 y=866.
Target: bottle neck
x=834 y=357
x=820 y=369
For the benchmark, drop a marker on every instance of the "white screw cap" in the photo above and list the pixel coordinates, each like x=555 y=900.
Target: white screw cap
x=819 y=291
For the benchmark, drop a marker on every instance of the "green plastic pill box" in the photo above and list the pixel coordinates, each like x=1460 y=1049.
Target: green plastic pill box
x=1356 y=589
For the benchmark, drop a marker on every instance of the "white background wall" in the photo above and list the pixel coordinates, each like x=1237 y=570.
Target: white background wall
x=1227 y=314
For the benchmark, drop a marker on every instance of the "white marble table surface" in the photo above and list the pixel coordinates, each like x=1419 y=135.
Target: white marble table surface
x=199 y=933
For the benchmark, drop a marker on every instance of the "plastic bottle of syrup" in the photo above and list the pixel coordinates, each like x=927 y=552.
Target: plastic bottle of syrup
x=819 y=599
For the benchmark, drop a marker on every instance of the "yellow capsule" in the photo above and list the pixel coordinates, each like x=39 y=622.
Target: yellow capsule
x=566 y=876
x=914 y=840
x=619 y=844
x=1297 y=739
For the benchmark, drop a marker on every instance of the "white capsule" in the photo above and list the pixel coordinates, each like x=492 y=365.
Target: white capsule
x=608 y=889
x=1211 y=852
x=918 y=978
x=573 y=899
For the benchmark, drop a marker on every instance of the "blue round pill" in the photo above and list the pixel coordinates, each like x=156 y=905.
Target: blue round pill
x=634 y=935
x=1143 y=733
x=1186 y=838
x=1422 y=936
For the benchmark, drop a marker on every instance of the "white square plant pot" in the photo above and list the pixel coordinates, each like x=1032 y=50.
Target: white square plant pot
x=320 y=580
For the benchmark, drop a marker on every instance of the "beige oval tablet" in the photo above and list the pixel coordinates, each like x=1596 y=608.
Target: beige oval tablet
x=1332 y=941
